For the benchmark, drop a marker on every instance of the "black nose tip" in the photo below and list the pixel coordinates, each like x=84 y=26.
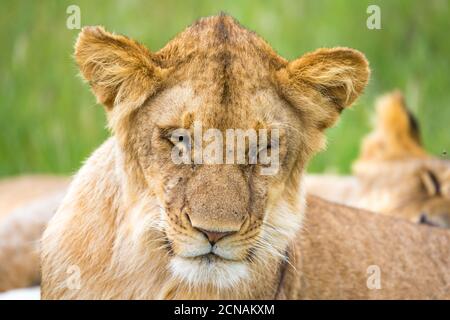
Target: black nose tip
x=214 y=236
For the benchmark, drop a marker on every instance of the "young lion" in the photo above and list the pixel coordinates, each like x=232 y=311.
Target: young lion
x=135 y=225
x=393 y=175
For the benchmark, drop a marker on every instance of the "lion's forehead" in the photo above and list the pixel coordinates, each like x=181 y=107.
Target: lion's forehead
x=224 y=71
x=261 y=107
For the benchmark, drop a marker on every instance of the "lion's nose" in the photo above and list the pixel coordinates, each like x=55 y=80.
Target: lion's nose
x=214 y=236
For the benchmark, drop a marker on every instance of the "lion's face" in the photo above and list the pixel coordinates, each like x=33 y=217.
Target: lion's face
x=402 y=178
x=213 y=214
x=430 y=202
x=435 y=212
x=219 y=219
x=414 y=189
x=426 y=209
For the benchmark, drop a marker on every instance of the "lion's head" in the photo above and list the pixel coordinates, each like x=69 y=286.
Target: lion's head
x=425 y=194
x=397 y=176
x=217 y=219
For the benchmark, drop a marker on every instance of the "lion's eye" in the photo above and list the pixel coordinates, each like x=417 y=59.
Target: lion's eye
x=256 y=153
x=265 y=150
x=267 y=147
x=177 y=139
x=180 y=139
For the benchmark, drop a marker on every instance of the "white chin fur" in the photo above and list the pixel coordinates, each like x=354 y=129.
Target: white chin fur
x=221 y=274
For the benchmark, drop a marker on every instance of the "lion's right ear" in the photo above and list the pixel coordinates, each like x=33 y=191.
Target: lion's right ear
x=117 y=68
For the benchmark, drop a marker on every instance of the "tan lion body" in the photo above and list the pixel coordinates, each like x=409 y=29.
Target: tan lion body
x=137 y=225
x=340 y=247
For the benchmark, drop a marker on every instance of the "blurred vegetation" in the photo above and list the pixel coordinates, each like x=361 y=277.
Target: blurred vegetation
x=49 y=120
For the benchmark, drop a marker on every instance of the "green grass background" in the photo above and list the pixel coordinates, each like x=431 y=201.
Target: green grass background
x=49 y=121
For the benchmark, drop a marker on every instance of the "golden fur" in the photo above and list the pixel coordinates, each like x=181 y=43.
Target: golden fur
x=26 y=205
x=338 y=247
x=130 y=225
x=393 y=175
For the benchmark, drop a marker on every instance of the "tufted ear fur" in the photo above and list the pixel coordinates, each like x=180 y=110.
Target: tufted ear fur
x=395 y=120
x=322 y=83
x=118 y=69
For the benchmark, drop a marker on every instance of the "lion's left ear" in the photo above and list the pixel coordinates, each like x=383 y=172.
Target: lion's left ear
x=322 y=83
x=117 y=68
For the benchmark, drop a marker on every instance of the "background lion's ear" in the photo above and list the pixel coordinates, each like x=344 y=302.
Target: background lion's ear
x=430 y=182
x=324 y=82
x=117 y=68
